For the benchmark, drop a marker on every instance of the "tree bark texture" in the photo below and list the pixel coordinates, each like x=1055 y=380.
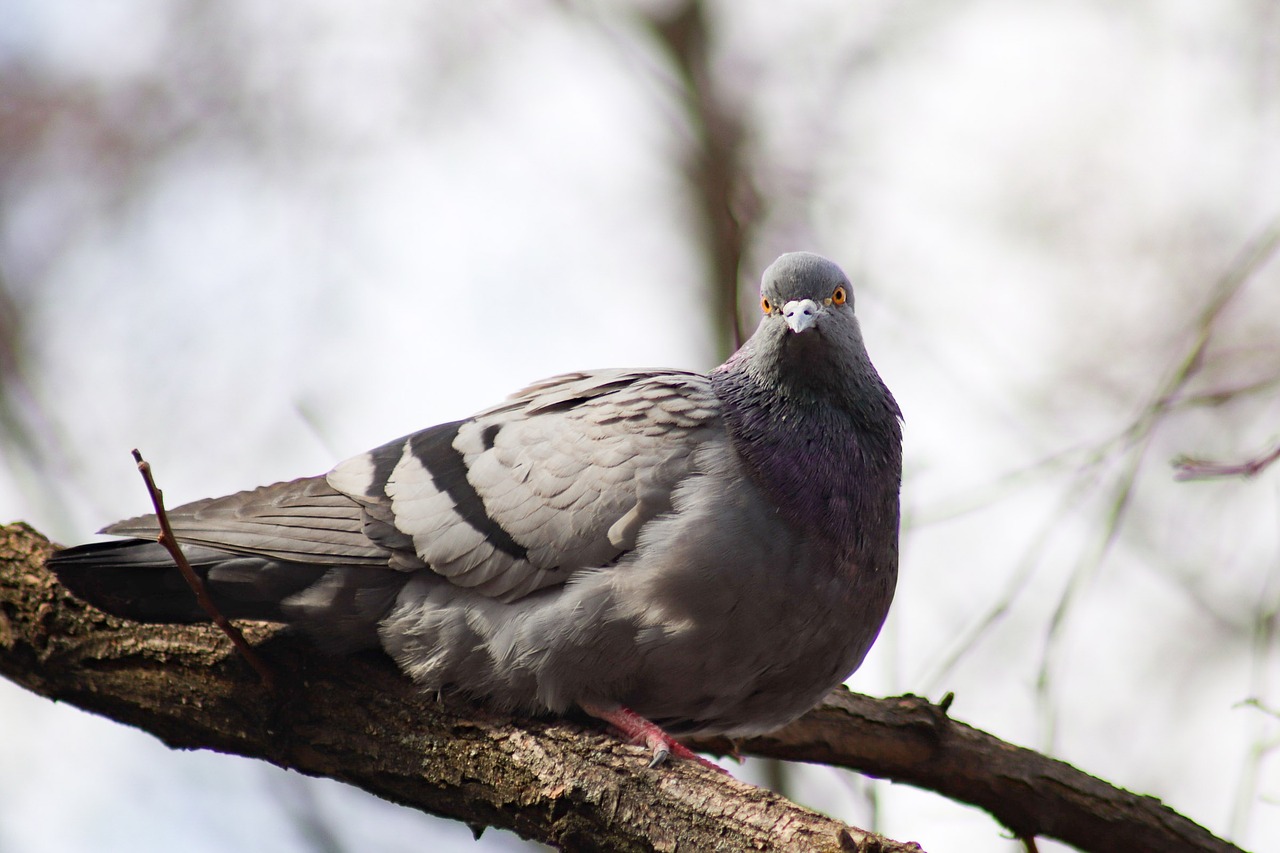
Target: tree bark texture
x=359 y=720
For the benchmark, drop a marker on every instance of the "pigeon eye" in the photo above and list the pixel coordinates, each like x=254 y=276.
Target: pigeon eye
x=766 y=305
x=839 y=296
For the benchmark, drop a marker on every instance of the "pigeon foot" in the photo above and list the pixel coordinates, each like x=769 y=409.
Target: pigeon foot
x=641 y=732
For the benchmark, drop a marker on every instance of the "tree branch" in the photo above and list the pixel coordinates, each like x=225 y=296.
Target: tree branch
x=908 y=739
x=1193 y=468
x=357 y=719
x=726 y=198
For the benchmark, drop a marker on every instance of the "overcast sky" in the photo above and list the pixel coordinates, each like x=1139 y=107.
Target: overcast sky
x=313 y=229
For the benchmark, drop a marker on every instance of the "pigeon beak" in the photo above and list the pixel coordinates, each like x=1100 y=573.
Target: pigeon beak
x=801 y=314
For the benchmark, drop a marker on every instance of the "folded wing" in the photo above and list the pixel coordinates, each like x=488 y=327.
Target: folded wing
x=559 y=478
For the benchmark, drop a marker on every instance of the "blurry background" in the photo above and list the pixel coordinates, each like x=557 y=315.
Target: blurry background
x=255 y=239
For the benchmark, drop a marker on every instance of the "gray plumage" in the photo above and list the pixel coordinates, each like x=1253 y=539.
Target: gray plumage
x=715 y=552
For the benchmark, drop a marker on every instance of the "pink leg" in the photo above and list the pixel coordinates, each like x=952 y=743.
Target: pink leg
x=637 y=730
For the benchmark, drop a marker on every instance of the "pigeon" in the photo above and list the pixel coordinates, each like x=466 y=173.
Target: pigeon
x=674 y=553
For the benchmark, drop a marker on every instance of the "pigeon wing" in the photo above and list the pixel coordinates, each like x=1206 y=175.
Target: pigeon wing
x=560 y=477
x=304 y=520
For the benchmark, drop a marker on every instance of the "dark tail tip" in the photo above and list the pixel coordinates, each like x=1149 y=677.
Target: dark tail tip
x=138 y=579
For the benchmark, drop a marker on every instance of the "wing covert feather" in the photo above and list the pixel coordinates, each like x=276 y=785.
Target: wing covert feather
x=303 y=520
x=560 y=477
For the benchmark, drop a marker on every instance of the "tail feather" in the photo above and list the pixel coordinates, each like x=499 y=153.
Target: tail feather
x=137 y=579
x=341 y=607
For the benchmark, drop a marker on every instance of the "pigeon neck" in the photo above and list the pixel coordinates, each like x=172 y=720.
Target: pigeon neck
x=831 y=463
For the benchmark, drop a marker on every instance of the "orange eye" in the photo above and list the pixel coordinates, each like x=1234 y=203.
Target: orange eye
x=839 y=296
x=766 y=305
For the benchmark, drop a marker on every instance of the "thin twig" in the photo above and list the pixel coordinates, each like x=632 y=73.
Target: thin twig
x=1136 y=439
x=1255 y=702
x=170 y=543
x=1191 y=468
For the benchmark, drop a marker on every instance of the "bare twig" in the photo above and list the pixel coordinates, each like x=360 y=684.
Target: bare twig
x=1258 y=704
x=170 y=543
x=1191 y=468
x=1133 y=442
x=1261 y=666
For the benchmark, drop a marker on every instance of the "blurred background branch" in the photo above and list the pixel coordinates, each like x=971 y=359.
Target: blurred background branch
x=716 y=164
x=1190 y=468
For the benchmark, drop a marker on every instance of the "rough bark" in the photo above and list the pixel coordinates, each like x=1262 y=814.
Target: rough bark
x=908 y=739
x=357 y=719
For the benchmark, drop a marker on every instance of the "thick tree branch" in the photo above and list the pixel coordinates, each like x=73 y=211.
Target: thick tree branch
x=359 y=720
x=908 y=739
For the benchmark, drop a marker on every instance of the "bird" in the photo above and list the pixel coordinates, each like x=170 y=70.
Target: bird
x=674 y=553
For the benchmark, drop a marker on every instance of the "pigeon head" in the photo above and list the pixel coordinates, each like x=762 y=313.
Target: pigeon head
x=808 y=339
x=807 y=292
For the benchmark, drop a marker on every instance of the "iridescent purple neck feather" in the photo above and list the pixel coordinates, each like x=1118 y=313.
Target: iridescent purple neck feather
x=813 y=421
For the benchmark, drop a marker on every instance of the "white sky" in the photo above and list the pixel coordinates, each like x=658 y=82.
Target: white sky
x=446 y=202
